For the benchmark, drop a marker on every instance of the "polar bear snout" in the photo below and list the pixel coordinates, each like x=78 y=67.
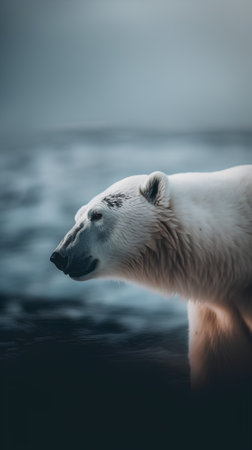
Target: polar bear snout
x=74 y=267
x=75 y=254
x=59 y=260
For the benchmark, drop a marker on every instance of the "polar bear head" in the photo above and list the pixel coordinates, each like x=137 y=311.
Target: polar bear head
x=114 y=228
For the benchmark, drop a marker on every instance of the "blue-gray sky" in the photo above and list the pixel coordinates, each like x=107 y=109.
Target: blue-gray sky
x=174 y=64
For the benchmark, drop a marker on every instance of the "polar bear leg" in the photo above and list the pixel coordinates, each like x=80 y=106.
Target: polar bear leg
x=220 y=345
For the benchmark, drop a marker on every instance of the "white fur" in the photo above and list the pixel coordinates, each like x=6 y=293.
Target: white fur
x=193 y=238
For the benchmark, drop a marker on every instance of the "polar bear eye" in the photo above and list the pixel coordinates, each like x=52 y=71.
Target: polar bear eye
x=96 y=216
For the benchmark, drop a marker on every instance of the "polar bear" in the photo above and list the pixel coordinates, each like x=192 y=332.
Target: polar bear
x=189 y=234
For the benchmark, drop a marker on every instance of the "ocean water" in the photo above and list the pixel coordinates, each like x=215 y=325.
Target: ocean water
x=44 y=183
x=50 y=323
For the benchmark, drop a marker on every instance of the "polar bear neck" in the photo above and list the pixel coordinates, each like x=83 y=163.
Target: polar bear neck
x=175 y=262
x=166 y=260
x=200 y=245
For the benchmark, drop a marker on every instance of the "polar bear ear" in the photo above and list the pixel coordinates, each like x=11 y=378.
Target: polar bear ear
x=156 y=188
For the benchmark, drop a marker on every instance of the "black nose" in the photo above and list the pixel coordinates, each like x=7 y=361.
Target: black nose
x=59 y=260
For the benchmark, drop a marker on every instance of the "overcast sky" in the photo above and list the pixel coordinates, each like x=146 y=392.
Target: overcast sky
x=180 y=65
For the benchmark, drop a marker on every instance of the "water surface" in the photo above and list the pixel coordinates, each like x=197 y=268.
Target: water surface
x=73 y=353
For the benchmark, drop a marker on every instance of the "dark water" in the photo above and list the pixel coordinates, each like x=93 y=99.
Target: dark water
x=99 y=364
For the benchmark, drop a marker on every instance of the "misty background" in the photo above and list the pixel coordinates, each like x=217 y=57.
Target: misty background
x=176 y=65
x=92 y=92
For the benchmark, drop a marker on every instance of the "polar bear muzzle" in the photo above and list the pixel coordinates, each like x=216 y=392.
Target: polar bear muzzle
x=87 y=266
x=74 y=255
x=76 y=268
